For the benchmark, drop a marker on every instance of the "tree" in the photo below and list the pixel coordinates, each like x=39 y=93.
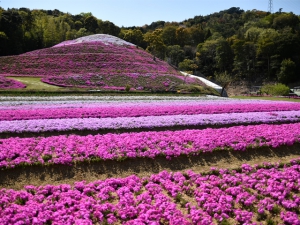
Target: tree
x=181 y=36
x=134 y=36
x=3 y=44
x=266 y=46
x=78 y=24
x=11 y=25
x=82 y=32
x=155 y=42
x=244 y=57
x=196 y=35
x=224 y=79
x=287 y=71
x=107 y=27
x=224 y=55
x=284 y=20
x=169 y=35
x=91 y=24
x=188 y=65
x=175 y=54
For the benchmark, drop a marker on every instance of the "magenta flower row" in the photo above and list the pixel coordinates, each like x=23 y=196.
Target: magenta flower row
x=138 y=110
x=242 y=197
x=68 y=149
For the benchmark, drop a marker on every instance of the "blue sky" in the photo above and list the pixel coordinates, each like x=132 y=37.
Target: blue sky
x=140 y=12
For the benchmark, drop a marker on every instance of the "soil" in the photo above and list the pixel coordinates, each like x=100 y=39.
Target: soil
x=238 y=88
x=17 y=178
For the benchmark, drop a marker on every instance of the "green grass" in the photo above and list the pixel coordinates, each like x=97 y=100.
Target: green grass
x=35 y=83
x=267 y=98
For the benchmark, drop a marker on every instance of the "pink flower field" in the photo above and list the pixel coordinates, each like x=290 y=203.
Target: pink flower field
x=60 y=134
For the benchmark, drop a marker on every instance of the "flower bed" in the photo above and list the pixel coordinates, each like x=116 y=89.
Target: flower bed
x=69 y=149
x=249 y=195
x=6 y=83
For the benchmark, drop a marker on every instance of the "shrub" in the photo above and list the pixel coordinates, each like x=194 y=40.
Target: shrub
x=127 y=88
x=275 y=89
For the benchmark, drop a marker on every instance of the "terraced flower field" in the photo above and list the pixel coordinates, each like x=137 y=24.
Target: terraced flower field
x=149 y=160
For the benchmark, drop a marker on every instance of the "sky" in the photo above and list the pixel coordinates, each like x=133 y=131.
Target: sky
x=140 y=12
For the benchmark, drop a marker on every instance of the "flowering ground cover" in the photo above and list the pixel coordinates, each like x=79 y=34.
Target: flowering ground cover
x=251 y=194
x=6 y=83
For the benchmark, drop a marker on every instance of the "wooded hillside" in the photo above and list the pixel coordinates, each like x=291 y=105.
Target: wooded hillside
x=252 y=45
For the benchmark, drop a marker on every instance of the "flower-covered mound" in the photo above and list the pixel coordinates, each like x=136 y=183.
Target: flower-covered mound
x=97 y=61
x=247 y=195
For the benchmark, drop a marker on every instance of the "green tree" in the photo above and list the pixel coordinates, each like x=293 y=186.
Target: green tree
x=134 y=36
x=82 y=32
x=287 y=71
x=188 y=66
x=196 y=35
x=107 y=27
x=78 y=24
x=155 y=42
x=244 y=62
x=91 y=24
x=266 y=46
x=3 y=44
x=181 y=36
x=223 y=79
x=11 y=25
x=175 y=54
x=169 y=35
x=284 y=20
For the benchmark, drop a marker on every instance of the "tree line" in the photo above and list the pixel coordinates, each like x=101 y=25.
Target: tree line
x=252 y=45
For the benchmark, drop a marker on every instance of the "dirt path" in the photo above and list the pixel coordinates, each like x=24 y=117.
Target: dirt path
x=17 y=178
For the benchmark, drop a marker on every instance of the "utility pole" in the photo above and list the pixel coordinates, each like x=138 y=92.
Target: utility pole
x=270 y=8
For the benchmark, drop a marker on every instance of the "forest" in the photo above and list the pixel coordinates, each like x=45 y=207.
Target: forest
x=251 y=45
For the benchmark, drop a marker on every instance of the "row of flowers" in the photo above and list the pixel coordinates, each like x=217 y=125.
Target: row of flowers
x=248 y=195
x=64 y=149
x=141 y=109
x=146 y=122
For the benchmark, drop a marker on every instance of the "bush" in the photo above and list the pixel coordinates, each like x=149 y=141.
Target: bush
x=127 y=88
x=275 y=89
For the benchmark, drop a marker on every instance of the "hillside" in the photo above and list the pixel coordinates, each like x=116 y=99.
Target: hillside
x=97 y=61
